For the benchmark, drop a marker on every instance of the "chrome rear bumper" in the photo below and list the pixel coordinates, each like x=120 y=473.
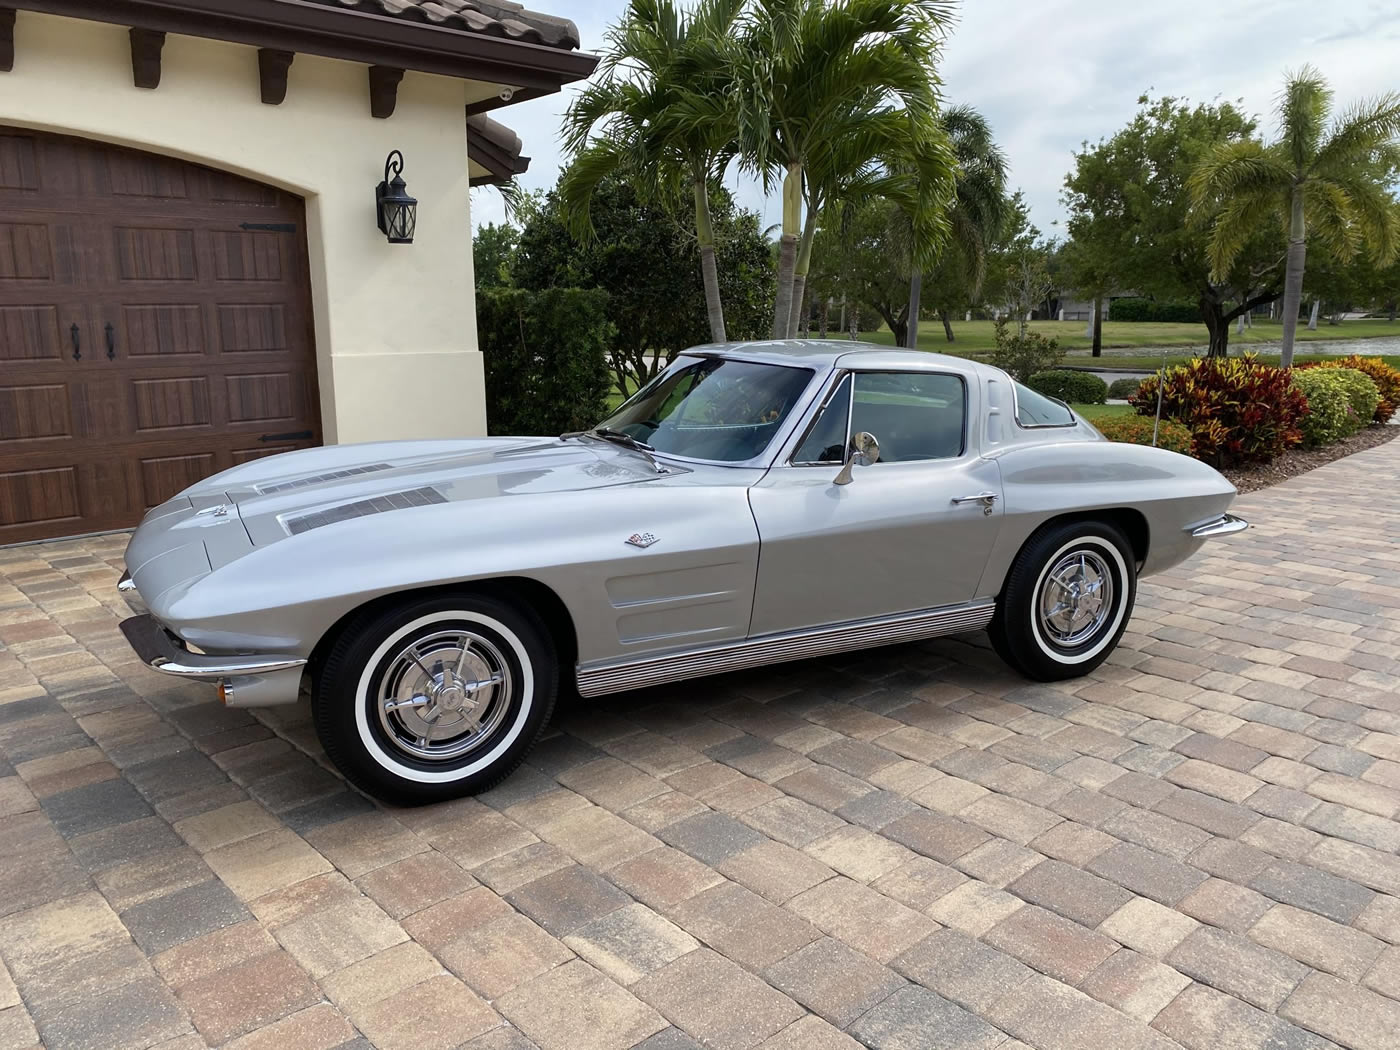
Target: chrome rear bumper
x=1224 y=525
x=163 y=651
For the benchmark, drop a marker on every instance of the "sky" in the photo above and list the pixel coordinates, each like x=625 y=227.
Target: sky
x=1050 y=76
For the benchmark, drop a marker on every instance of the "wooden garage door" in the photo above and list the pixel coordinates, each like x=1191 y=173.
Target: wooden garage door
x=155 y=327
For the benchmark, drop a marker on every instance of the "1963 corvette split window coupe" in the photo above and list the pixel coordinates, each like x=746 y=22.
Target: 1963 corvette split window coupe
x=753 y=503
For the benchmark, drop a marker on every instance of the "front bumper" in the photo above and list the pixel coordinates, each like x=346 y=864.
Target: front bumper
x=1222 y=525
x=165 y=653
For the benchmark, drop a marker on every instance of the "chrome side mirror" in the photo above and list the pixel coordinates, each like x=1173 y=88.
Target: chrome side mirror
x=865 y=450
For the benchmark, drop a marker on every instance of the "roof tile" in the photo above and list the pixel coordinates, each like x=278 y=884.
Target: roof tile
x=500 y=18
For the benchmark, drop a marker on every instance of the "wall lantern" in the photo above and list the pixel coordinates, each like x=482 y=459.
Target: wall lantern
x=398 y=212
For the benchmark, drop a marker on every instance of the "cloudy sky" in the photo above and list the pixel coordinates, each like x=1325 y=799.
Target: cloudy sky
x=1051 y=75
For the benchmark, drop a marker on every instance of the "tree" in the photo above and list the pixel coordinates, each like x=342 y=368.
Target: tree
x=1092 y=273
x=1339 y=171
x=493 y=254
x=978 y=209
x=661 y=110
x=1018 y=274
x=646 y=260
x=1128 y=201
x=826 y=92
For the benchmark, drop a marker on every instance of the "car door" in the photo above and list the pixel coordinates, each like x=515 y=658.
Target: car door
x=909 y=531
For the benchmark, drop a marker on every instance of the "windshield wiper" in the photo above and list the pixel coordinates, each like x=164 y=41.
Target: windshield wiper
x=618 y=437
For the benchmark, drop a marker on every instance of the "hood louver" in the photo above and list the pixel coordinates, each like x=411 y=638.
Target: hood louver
x=334 y=475
x=375 y=505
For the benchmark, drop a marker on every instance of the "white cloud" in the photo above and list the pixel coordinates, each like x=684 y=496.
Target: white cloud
x=1052 y=75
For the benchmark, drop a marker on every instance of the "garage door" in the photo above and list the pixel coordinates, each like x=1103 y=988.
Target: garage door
x=155 y=327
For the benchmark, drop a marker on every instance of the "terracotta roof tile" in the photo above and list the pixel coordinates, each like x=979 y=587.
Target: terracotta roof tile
x=501 y=18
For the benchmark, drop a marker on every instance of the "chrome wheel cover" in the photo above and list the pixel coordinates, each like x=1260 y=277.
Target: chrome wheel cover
x=1076 y=599
x=442 y=696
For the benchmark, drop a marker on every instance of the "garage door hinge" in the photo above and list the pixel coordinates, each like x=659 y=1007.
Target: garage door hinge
x=272 y=227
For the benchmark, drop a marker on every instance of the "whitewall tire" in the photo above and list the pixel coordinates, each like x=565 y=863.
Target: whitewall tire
x=435 y=697
x=1066 y=601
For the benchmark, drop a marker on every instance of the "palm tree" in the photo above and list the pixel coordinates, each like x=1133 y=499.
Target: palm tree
x=978 y=208
x=809 y=71
x=662 y=110
x=1334 y=171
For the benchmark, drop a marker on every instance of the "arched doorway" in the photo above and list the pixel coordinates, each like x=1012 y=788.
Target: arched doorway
x=155 y=327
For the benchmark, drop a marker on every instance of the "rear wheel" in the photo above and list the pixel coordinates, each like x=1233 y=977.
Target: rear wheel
x=436 y=697
x=1066 y=601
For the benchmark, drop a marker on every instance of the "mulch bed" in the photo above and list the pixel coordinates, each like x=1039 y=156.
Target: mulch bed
x=1300 y=461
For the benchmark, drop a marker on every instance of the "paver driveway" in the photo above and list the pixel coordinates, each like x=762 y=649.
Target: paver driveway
x=905 y=848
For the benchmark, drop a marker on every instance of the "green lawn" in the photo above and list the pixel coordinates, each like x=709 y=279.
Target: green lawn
x=972 y=337
x=1096 y=412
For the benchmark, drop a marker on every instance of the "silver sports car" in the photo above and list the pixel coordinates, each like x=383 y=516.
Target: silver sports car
x=753 y=503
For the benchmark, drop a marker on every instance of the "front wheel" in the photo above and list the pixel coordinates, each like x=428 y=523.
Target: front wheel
x=435 y=697
x=1066 y=601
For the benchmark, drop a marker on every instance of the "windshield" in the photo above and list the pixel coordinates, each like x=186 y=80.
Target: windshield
x=712 y=408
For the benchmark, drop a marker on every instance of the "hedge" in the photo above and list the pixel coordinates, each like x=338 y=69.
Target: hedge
x=546 y=358
x=1137 y=430
x=1133 y=309
x=1076 y=388
x=1122 y=389
x=1341 y=401
x=1387 y=381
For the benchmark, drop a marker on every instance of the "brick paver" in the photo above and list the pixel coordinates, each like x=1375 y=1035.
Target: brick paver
x=1196 y=846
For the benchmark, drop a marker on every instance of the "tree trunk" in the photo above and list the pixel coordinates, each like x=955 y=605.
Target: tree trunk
x=1098 y=329
x=1089 y=324
x=800 y=271
x=1391 y=308
x=787 y=249
x=826 y=315
x=1312 y=316
x=916 y=293
x=947 y=324
x=843 y=311
x=1293 y=277
x=1218 y=327
x=855 y=320
x=709 y=270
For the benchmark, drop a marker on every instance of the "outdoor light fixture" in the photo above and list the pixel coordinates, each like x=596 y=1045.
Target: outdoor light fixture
x=398 y=212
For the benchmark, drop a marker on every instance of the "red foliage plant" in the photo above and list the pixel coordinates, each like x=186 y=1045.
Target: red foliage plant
x=1238 y=409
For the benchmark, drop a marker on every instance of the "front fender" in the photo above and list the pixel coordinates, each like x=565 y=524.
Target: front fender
x=694 y=583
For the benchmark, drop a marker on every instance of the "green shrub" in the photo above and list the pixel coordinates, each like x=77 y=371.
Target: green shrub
x=1387 y=381
x=1133 y=309
x=1362 y=393
x=1137 y=430
x=1024 y=355
x=1238 y=409
x=1076 y=388
x=1332 y=404
x=546 y=358
x=1122 y=389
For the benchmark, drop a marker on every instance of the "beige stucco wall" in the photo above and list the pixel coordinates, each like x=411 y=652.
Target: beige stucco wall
x=395 y=324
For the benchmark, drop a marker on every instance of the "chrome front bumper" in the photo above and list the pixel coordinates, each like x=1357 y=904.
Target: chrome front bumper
x=1224 y=525
x=164 y=652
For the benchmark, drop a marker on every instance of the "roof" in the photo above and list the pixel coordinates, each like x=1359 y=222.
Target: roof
x=496 y=148
x=827 y=353
x=499 y=18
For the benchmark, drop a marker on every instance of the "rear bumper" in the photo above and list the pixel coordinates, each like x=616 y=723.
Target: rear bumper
x=165 y=653
x=1222 y=525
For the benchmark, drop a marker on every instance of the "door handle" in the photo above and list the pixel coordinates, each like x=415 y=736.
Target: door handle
x=111 y=342
x=984 y=498
x=77 y=342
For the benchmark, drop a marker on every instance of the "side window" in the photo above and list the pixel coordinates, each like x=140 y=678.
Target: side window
x=1037 y=410
x=914 y=415
x=826 y=441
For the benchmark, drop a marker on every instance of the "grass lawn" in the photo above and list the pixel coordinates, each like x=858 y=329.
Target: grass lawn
x=1097 y=412
x=972 y=337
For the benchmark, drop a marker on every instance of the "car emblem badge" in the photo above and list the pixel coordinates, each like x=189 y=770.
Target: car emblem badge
x=641 y=539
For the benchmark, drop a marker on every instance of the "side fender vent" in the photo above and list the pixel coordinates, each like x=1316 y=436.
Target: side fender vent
x=375 y=505
x=335 y=475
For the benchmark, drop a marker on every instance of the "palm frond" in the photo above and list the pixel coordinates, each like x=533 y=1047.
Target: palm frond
x=1363 y=133
x=1303 y=106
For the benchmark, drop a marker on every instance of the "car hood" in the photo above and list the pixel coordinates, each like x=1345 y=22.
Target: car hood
x=267 y=500
x=385 y=478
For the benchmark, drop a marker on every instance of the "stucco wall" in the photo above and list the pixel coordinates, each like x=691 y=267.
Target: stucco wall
x=395 y=324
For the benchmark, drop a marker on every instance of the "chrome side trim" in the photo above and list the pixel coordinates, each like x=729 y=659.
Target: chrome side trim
x=617 y=676
x=157 y=647
x=1225 y=525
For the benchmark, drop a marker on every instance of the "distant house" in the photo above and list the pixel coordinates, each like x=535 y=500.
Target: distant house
x=191 y=270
